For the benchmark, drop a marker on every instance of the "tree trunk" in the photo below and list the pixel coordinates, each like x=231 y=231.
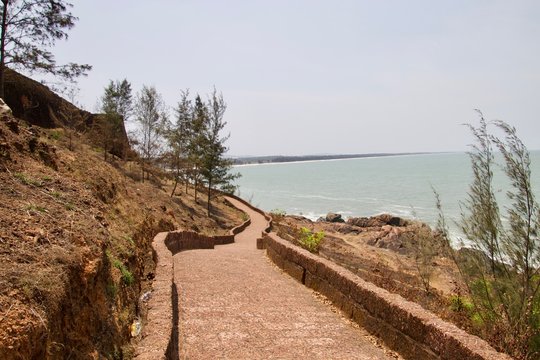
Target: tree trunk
x=175 y=184
x=209 y=195
x=3 y=48
x=195 y=183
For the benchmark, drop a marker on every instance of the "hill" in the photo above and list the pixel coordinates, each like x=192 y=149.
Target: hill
x=75 y=233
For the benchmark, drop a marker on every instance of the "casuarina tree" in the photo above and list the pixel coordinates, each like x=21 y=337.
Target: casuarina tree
x=29 y=29
x=150 y=116
x=215 y=166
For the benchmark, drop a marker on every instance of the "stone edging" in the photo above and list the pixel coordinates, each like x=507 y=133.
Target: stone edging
x=404 y=326
x=160 y=334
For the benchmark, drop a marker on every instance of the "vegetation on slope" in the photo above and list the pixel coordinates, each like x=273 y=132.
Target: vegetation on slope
x=75 y=234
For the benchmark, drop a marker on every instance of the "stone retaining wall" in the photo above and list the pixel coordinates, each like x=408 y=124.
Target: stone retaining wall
x=160 y=333
x=403 y=325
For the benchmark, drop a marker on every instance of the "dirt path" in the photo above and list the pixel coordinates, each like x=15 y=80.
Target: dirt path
x=235 y=304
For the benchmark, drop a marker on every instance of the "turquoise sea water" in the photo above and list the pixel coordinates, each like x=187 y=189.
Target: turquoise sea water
x=400 y=185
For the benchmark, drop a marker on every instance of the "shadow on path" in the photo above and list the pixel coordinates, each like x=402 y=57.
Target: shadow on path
x=172 y=347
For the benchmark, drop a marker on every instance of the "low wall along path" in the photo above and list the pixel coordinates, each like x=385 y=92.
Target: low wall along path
x=231 y=302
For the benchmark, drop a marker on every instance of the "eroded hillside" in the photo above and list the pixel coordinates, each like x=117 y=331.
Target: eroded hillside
x=75 y=234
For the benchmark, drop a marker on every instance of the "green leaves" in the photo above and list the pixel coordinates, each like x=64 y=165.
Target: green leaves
x=310 y=240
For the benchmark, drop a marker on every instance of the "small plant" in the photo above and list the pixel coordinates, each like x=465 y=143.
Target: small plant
x=310 y=240
x=129 y=239
x=460 y=303
x=56 y=134
x=424 y=247
x=56 y=194
x=127 y=276
x=245 y=217
x=277 y=215
x=34 y=207
x=111 y=290
x=69 y=206
x=23 y=178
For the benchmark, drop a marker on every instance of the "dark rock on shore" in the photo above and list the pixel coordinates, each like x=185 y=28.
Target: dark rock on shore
x=332 y=217
x=377 y=221
x=392 y=238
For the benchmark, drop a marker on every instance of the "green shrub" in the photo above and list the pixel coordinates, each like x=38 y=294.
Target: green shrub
x=56 y=134
x=461 y=304
x=278 y=212
x=310 y=240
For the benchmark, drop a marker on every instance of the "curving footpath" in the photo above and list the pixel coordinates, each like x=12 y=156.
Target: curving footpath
x=235 y=304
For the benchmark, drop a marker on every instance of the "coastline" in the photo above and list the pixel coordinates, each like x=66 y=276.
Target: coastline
x=274 y=160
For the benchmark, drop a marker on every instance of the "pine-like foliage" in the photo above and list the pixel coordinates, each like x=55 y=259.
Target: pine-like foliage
x=29 y=29
x=197 y=146
x=502 y=272
x=150 y=115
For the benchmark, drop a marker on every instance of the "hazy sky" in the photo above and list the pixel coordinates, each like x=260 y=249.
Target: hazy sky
x=304 y=77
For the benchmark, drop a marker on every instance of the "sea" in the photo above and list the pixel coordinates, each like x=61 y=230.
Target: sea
x=402 y=185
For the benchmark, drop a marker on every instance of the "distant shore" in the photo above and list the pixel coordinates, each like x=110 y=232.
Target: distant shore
x=285 y=159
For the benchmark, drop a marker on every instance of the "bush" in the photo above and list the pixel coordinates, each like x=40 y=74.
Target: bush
x=277 y=215
x=310 y=240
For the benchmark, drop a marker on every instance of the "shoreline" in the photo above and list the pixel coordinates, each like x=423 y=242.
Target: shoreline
x=274 y=160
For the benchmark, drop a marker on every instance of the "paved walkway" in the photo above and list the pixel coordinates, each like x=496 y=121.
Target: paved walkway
x=235 y=304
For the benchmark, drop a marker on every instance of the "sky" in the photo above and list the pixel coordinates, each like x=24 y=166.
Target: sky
x=324 y=77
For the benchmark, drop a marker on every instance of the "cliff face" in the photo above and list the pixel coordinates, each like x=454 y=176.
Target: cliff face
x=38 y=105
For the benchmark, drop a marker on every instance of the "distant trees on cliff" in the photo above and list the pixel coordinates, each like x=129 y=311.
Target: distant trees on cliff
x=28 y=29
x=151 y=117
x=117 y=105
x=190 y=145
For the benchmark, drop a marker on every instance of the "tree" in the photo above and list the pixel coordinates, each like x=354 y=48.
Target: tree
x=215 y=166
x=178 y=137
x=29 y=27
x=117 y=99
x=502 y=271
x=150 y=115
x=197 y=141
x=117 y=105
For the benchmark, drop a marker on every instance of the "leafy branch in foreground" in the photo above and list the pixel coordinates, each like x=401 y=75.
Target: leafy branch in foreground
x=28 y=28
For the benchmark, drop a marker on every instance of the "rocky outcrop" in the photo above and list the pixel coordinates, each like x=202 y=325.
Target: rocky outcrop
x=377 y=221
x=332 y=217
x=38 y=105
x=392 y=238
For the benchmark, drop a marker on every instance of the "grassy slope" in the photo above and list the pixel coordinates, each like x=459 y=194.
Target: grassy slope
x=75 y=235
